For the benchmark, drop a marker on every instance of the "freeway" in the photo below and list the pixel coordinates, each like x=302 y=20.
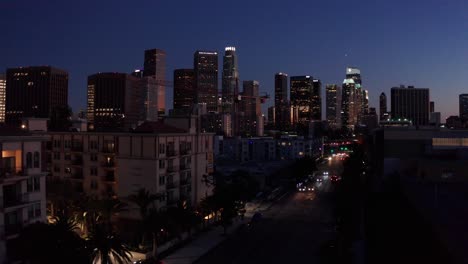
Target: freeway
x=290 y=231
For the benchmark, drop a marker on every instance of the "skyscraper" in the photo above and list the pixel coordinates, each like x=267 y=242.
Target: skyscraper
x=383 y=106
x=155 y=94
x=282 y=115
x=184 y=90
x=34 y=92
x=230 y=87
x=206 y=79
x=301 y=97
x=271 y=117
x=2 y=97
x=115 y=101
x=316 y=100
x=352 y=98
x=463 y=106
x=410 y=103
x=431 y=107
x=250 y=107
x=333 y=107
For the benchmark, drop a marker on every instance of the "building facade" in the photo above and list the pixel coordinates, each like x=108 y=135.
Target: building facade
x=206 y=79
x=155 y=96
x=333 y=107
x=230 y=81
x=383 y=106
x=22 y=186
x=463 y=106
x=282 y=113
x=115 y=101
x=301 y=95
x=250 y=108
x=2 y=97
x=184 y=90
x=34 y=92
x=410 y=103
x=316 y=100
x=353 y=98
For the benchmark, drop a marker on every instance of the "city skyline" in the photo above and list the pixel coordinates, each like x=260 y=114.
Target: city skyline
x=383 y=58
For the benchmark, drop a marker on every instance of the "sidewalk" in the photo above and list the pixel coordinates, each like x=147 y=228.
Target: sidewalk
x=209 y=240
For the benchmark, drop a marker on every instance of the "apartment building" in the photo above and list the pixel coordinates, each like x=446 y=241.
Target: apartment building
x=172 y=162
x=22 y=184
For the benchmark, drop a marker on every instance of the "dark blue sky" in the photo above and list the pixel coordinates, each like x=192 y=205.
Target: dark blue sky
x=421 y=43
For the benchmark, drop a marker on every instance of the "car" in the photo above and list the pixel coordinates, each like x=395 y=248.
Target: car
x=319 y=179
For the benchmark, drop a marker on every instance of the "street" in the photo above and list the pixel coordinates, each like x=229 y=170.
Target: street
x=290 y=231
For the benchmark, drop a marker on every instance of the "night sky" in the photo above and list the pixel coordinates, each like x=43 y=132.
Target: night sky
x=420 y=43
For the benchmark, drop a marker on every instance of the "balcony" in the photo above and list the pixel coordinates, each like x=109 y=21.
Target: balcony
x=185 y=166
x=108 y=164
x=78 y=175
x=171 y=153
x=171 y=185
x=15 y=199
x=12 y=171
x=110 y=178
x=77 y=148
x=184 y=152
x=171 y=169
x=77 y=161
x=108 y=150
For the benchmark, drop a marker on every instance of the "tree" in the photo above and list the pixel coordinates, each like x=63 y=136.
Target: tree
x=143 y=199
x=106 y=246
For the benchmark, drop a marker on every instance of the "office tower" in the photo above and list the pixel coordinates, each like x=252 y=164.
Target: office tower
x=155 y=94
x=333 y=107
x=365 y=101
x=410 y=103
x=282 y=112
x=184 y=90
x=383 y=106
x=271 y=116
x=370 y=119
x=115 y=101
x=206 y=79
x=2 y=97
x=251 y=107
x=230 y=82
x=463 y=106
x=316 y=100
x=34 y=92
x=301 y=95
x=431 y=107
x=352 y=98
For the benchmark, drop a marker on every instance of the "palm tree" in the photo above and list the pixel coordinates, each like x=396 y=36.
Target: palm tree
x=143 y=199
x=154 y=224
x=106 y=247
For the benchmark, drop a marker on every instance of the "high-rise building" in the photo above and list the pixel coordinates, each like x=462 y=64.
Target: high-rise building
x=316 y=100
x=2 y=97
x=365 y=101
x=282 y=112
x=184 y=90
x=333 y=107
x=431 y=107
x=34 y=92
x=352 y=98
x=463 y=106
x=251 y=107
x=302 y=97
x=383 y=106
x=230 y=85
x=206 y=79
x=155 y=94
x=410 y=103
x=271 y=116
x=115 y=101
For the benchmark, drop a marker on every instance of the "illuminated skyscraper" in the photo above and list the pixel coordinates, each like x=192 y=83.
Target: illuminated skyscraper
x=34 y=92
x=206 y=79
x=155 y=95
x=352 y=98
x=282 y=112
x=184 y=90
x=2 y=97
x=333 y=107
x=302 y=93
x=230 y=87
x=463 y=106
x=251 y=108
